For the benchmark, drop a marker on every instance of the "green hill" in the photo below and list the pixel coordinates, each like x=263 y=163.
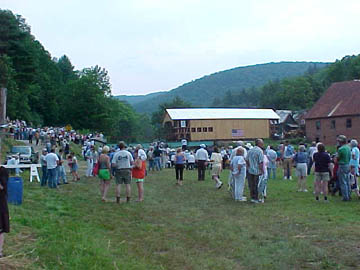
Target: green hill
x=203 y=91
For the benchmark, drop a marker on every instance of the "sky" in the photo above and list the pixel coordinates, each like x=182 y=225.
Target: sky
x=157 y=45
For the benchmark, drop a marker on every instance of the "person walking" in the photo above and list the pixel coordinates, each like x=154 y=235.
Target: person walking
x=216 y=160
x=179 y=166
x=301 y=161
x=322 y=162
x=4 y=211
x=238 y=174
x=254 y=160
x=139 y=171
x=201 y=157
x=122 y=161
x=343 y=159
x=104 y=172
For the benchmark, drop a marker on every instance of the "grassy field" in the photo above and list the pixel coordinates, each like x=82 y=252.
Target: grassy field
x=188 y=227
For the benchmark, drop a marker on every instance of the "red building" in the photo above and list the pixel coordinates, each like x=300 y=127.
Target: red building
x=336 y=112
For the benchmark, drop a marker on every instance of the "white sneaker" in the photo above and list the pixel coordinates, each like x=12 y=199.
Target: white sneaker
x=254 y=201
x=285 y=178
x=261 y=201
x=305 y=190
x=219 y=185
x=290 y=178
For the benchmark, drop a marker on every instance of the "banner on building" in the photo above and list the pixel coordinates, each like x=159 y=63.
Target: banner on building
x=237 y=133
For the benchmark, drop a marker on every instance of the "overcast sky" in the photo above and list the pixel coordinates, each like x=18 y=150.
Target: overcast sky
x=153 y=45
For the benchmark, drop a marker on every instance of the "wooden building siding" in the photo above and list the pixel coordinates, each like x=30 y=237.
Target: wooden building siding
x=331 y=127
x=222 y=129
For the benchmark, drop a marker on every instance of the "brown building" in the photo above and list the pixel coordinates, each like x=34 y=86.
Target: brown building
x=217 y=123
x=336 y=112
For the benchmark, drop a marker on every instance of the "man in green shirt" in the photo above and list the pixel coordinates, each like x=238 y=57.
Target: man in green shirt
x=343 y=158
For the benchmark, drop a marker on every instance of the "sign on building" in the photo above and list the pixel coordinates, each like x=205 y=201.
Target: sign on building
x=183 y=123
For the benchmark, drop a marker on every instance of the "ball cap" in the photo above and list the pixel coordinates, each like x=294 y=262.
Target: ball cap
x=341 y=138
x=202 y=145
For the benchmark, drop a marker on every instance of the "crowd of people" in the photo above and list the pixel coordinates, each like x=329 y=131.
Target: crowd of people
x=337 y=172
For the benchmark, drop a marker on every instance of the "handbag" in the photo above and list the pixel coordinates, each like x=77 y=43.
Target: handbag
x=96 y=168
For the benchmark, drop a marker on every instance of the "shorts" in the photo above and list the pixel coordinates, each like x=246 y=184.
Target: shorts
x=139 y=180
x=301 y=169
x=104 y=174
x=123 y=176
x=216 y=169
x=322 y=176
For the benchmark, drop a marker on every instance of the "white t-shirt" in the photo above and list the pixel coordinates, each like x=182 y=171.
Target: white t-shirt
x=201 y=154
x=142 y=154
x=122 y=159
x=238 y=160
x=191 y=159
x=51 y=161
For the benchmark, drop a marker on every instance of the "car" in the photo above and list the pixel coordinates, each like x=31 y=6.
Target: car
x=26 y=154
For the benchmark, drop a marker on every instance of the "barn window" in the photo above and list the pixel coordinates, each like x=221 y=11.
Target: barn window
x=348 y=123
x=210 y=129
x=333 y=124
x=193 y=129
x=205 y=129
x=317 y=124
x=198 y=129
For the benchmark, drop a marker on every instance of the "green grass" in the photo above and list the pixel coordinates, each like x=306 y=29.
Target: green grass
x=190 y=227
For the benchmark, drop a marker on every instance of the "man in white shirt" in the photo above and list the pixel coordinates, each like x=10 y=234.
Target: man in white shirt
x=52 y=161
x=201 y=157
x=184 y=144
x=122 y=161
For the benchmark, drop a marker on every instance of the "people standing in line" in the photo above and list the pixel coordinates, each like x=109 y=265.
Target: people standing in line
x=343 y=159
x=122 y=162
x=216 y=160
x=201 y=157
x=104 y=172
x=4 y=211
x=354 y=166
x=44 y=175
x=301 y=161
x=52 y=163
x=73 y=165
x=179 y=166
x=254 y=160
x=312 y=149
x=272 y=157
x=60 y=169
x=322 y=162
x=157 y=158
x=288 y=154
x=139 y=171
x=238 y=174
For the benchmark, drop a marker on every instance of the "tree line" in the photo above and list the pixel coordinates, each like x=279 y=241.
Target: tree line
x=47 y=91
x=296 y=93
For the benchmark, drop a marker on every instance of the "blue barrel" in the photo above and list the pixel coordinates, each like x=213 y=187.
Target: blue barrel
x=15 y=190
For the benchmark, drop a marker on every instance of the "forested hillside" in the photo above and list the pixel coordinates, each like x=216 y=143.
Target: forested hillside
x=48 y=91
x=209 y=90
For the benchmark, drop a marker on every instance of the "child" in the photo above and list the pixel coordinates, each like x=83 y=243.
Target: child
x=73 y=165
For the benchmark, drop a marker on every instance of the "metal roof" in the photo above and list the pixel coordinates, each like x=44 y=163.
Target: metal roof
x=221 y=113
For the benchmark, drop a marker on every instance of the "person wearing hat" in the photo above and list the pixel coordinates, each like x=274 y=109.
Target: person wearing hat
x=343 y=159
x=201 y=157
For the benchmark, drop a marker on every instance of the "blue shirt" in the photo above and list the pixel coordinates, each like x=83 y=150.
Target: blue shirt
x=255 y=157
x=301 y=157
